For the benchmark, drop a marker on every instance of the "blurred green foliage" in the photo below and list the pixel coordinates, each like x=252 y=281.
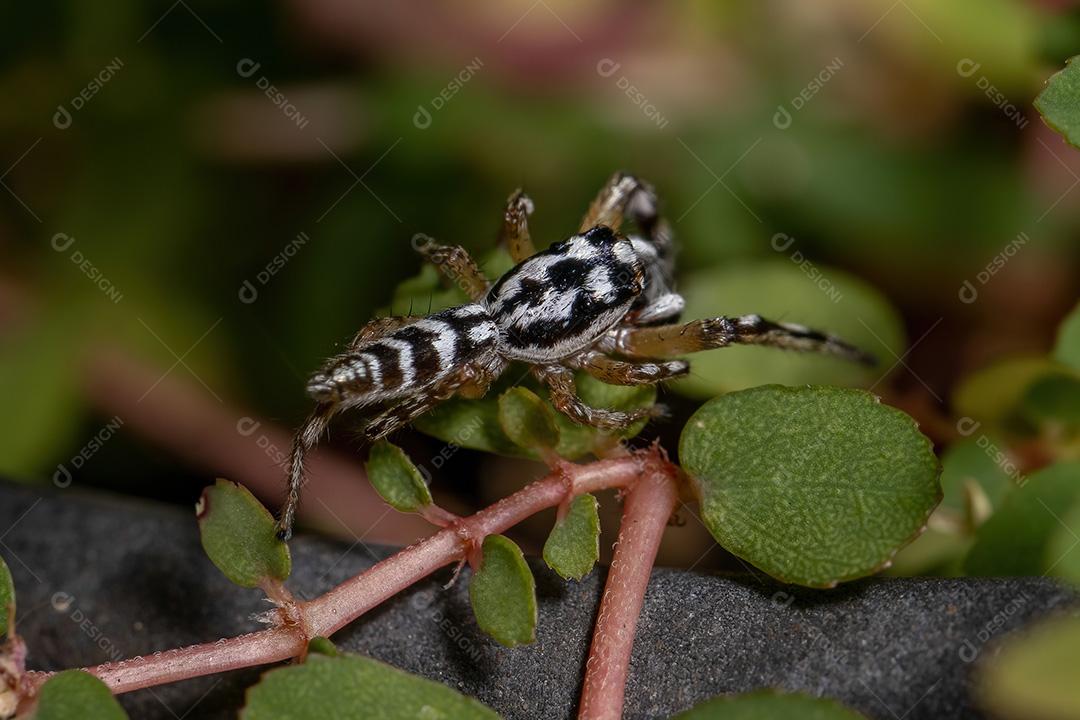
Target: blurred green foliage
x=899 y=178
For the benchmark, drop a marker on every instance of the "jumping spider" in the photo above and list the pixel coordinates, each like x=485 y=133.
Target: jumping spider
x=599 y=302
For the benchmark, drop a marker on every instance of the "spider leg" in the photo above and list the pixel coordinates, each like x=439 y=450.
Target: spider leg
x=455 y=263
x=467 y=381
x=303 y=442
x=620 y=372
x=514 y=233
x=316 y=423
x=563 y=393
x=669 y=340
x=625 y=196
x=609 y=206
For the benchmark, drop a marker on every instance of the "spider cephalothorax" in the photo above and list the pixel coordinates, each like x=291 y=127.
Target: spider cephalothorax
x=599 y=302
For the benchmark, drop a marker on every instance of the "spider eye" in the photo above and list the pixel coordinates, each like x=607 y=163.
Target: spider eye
x=600 y=235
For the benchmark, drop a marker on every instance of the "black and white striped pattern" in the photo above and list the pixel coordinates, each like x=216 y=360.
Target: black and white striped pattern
x=408 y=359
x=561 y=300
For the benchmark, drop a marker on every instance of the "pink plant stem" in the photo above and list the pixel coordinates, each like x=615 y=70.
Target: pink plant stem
x=646 y=512
x=352 y=598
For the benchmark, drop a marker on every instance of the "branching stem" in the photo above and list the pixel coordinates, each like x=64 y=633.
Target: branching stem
x=341 y=605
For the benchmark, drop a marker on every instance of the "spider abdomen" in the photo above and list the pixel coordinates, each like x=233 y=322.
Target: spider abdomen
x=564 y=298
x=409 y=359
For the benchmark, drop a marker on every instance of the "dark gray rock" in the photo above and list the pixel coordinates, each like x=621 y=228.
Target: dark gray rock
x=101 y=578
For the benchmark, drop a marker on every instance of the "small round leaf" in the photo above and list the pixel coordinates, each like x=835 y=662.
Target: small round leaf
x=396 y=478
x=503 y=593
x=239 y=535
x=1067 y=349
x=1059 y=102
x=769 y=705
x=350 y=687
x=527 y=420
x=475 y=423
x=7 y=598
x=1034 y=675
x=813 y=485
x=1018 y=538
x=573 y=546
x=76 y=695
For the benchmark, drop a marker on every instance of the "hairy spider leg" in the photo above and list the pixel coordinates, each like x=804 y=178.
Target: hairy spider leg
x=468 y=380
x=455 y=263
x=514 y=233
x=625 y=196
x=620 y=372
x=563 y=393
x=669 y=340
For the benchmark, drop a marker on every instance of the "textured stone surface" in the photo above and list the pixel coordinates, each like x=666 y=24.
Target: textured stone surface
x=100 y=578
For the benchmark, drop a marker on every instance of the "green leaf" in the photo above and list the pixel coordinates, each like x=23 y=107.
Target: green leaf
x=1063 y=543
x=475 y=423
x=1067 y=348
x=993 y=394
x=1034 y=675
x=76 y=695
x=239 y=535
x=813 y=485
x=7 y=598
x=981 y=461
x=323 y=646
x=1052 y=403
x=503 y=593
x=350 y=687
x=396 y=478
x=1018 y=538
x=40 y=386
x=769 y=705
x=573 y=546
x=527 y=420
x=780 y=290
x=1059 y=102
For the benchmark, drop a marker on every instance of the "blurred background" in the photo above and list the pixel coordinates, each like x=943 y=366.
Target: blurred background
x=202 y=200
